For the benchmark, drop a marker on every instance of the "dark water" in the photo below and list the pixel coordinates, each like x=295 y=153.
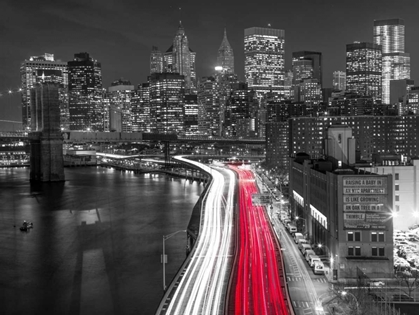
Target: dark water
x=96 y=243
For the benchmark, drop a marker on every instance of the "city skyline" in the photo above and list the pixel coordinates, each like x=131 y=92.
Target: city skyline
x=121 y=37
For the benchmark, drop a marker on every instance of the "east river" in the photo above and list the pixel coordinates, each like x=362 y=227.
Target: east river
x=96 y=243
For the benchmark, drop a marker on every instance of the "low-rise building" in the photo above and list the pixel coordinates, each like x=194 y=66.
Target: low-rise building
x=405 y=174
x=345 y=212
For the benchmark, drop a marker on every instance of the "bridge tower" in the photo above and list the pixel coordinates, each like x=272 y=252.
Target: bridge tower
x=46 y=140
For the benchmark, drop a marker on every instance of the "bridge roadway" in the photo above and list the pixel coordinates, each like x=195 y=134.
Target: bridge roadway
x=201 y=284
x=116 y=137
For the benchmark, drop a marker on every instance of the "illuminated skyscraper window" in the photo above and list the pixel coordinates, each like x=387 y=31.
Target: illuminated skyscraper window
x=364 y=69
x=264 y=59
x=395 y=62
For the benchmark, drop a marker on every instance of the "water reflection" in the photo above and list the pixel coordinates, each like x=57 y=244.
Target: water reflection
x=96 y=242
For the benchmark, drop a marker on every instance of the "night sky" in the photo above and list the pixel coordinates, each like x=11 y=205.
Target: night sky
x=120 y=34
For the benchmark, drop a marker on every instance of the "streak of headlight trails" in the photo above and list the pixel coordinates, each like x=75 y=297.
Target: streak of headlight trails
x=257 y=289
x=203 y=286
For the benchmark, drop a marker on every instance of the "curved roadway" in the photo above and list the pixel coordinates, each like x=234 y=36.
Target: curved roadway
x=202 y=282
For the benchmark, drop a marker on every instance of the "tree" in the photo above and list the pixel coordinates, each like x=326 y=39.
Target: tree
x=410 y=278
x=357 y=301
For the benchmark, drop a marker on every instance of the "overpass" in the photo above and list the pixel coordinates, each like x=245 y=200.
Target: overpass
x=116 y=137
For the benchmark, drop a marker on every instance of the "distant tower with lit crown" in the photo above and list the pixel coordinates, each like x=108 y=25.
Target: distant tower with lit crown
x=179 y=58
x=225 y=57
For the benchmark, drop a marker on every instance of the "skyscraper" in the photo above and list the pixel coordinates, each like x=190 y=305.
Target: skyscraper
x=191 y=114
x=44 y=69
x=209 y=107
x=225 y=57
x=179 y=58
x=288 y=85
x=141 y=108
x=241 y=113
x=307 y=65
x=364 y=69
x=309 y=92
x=167 y=102
x=85 y=89
x=121 y=93
x=339 y=80
x=156 y=61
x=264 y=59
x=395 y=62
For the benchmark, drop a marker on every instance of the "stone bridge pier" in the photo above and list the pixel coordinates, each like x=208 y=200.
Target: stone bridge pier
x=46 y=140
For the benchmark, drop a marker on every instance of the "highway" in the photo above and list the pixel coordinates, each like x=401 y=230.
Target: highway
x=200 y=287
x=258 y=288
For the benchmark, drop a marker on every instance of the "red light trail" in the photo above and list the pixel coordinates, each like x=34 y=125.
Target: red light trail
x=257 y=289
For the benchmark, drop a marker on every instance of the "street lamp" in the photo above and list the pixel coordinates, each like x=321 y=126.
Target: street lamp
x=344 y=293
x=164 y=257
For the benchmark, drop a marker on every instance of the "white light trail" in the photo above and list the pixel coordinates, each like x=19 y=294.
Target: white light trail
x=204 y=284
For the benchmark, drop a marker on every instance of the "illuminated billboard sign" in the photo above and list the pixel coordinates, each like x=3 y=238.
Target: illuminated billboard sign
x=364 y=202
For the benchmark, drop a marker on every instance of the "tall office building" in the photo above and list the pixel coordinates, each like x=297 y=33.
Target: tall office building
x=225 y=82
x=179 y=58
x=241 y=113
x=225 y=57
x=364 y=69
x=302 y=69
x=193 y=84
x=156 y=60
x=308 y=91
x=85 y=89
x=191 y=114
x=409 y=103
x=277 y=133
x=141 y=109
x=44 y=68
x=288 y=85
x=307 y=65
x=167 y=102
x=209 y=107
x=121 y=94
x=264 y=59
x=339 y=80
x=390 y=34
